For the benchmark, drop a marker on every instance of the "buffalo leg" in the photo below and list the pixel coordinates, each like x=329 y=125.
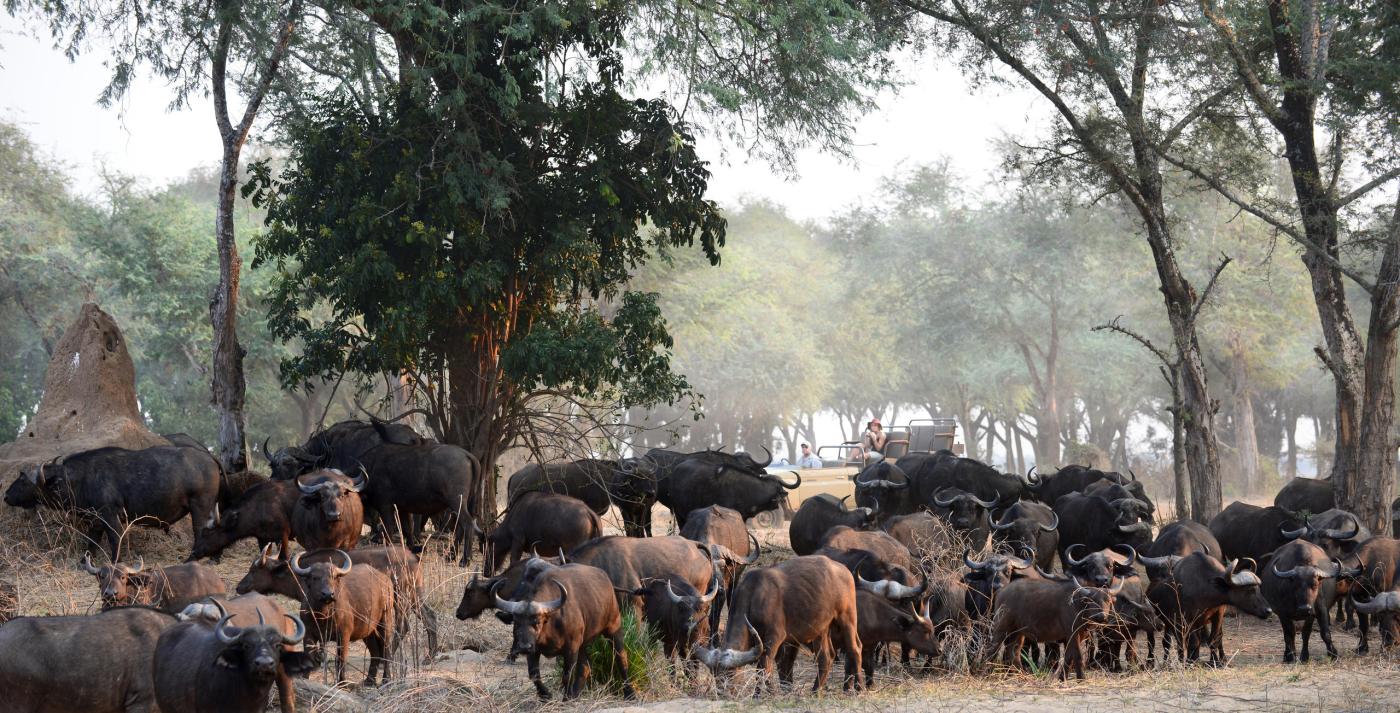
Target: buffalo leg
x=1324 y=630
x=1289 y=636
x=620 y=659
x=532 y=667
x=822 y=648
x=1307 y=634
x=375 y=645
x=787 y=657
x=342 y=649
x=766 y=672
x=573 y=672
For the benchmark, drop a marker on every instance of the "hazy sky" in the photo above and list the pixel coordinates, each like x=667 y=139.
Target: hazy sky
x=55 y=101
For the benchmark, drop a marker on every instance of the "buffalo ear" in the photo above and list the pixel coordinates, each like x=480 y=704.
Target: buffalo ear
x=1221 y=583
x=298 y=664
x=904 y=622
x=505 y=618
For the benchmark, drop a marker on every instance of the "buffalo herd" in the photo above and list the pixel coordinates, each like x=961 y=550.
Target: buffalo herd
x=1060 y=570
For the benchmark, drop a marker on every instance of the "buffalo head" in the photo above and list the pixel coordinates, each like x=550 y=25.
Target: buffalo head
x=118 y=584
x=326 y=491
x=320 y=583
x=255 y=650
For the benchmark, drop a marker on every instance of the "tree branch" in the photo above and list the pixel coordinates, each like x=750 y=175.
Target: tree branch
x=1369 y=186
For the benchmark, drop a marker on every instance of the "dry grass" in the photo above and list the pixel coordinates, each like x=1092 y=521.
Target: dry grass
x=40 y=556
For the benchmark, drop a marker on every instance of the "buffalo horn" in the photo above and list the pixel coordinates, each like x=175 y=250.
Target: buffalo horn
x=1135 y=527
x=361 y=480
x=940 y=501
x=227 y=634
x=88 y=566
x=974 y=566
x=1293 y=534
x=311 y=489
x=755 y=552
x=1291 y=573
x=1379 y=604
x=671 y=592
x=1003 y=524
x=1164 y=560
x=508 y=606
x=1336 y=534
x=1019 y=563
x=1131 y=553
x=1032 y=480
x=295 y=564
x=266 y=456
x=986 y=504
x=298 y=633
x=1116 y=587
x=554 y=604
x=1053 y=526
x=709 y=595
x=787 y=486
x=1336 y=569
x=1069 y=555
x=349 y=563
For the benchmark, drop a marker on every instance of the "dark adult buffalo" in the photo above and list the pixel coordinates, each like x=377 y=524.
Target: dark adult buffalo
x=1075 y=479
x=411 y=478
x=541 y=522
x=564 y=610
x=1311 y=494
x=263 y=512
x=695 y=484
x=81 y=664
x=1028 y=524
x=1174 y=541
x=632 y=561
x=1192 y=602
x=929 y=473
x=820 y=513
x=987 y=577
x=965 y=513
x=1300 y=583
x=224 y=668
x=1045 y=611
x=724 y=535
x=329 y=513
x=678 y=612
x=664 y=463
x=1245 y=530
x=629 y=483
x=1099 y=524
x=1336 y=531
x=255 y=609
x=111 y=487
x=879 y=621
x=805 y=601
x=347 y=603
x=884 y=488
x=169 y=589
x=1100 y=568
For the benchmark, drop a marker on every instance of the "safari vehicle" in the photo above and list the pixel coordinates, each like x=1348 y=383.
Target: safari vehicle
x=840 y=464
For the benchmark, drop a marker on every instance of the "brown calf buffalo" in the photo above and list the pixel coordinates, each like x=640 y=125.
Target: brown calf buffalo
x=1047 y=611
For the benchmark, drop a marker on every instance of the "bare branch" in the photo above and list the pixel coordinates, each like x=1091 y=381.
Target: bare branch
x=1369 y=186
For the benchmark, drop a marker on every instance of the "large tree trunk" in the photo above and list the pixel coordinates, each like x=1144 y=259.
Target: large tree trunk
x=228 y=384
x=1246 y=444
x=1369 y=492
x=1290 y=432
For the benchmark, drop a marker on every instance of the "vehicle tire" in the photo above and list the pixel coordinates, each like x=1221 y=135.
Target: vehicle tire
x=768 y=519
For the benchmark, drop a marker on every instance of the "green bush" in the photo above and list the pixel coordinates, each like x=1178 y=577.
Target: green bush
x=644 y=656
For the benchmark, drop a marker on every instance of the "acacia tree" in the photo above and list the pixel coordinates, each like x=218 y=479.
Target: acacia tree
x=1105 y=66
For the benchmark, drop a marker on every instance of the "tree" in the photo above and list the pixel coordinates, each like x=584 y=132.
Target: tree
x=1333 y=72
x=1105 y=67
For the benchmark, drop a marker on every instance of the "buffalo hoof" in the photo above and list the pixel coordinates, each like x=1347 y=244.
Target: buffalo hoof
x=1349 y=626
x=1288 y=657
x=368 y=683
x=628 y=692
x=1363 y=649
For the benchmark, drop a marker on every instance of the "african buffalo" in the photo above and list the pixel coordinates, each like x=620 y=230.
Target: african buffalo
x=1029 y=524
x=878 y=557
x=169 y=589
x=927 y=536
x=1301 y=583
x=1196 y=596
x=253 y=609
x=341 y=446
x=1100 y=568
x=1174 y=541
x=1075 y=479
x=223 y=668
x=883 y=488
x=1370 y=574
x=411 y=483
x=695 y=484
x=965 y=513
x=878 y=621
x=542 y=522
x=111 y=487
x=629 y=483
x=632 y=561
x=478 y=595
x=664 y=463
x=565 y=609
x=1098 y=524
x=1046 y=611
x=1313 y=495
x=678 y=612
x=329 y=513
x=81 y=664
x=805 y=601
x=263 y=512
x=346 y=603
x=820 y=513
x=1245 y=530
x=928 y=473
x=1336 y=531
x=986 y=578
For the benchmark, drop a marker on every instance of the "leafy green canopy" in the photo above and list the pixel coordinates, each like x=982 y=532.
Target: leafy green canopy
x=482 y=218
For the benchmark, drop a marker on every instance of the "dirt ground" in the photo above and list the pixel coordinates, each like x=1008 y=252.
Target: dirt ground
x=470 y=673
